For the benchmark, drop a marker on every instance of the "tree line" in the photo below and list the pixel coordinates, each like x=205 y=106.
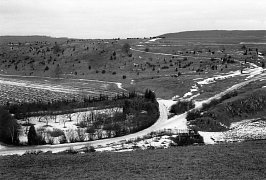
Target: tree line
x=25 y=109
x=139 y=112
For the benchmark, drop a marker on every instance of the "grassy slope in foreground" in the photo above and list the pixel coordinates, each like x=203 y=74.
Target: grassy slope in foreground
x=232 y=161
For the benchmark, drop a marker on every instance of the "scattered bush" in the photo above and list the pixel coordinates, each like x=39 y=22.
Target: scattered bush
x=34 y=152
x=182 y=106
x=165 y=67
x=207 y=124
x=186 y=139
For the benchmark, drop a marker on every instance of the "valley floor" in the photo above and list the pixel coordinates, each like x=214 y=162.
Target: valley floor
x=175 y=122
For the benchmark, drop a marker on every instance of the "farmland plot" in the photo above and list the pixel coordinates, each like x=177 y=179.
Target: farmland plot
x=18 y=90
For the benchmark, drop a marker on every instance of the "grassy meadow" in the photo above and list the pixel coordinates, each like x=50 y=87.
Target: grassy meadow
x=224 y=161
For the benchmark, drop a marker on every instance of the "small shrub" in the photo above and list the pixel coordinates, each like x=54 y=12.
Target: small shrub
x=146 y=49
x=63 y=139
x=41 y=140
x=51 y=140
x=182 y=106
x=56 y=133
x=34 y=152
x=193 y=115
x=82 y=124
x=186 y=139
x=70 y=150
x=89 y=149
x=124 y=76
x=165 y=67
x=72 y=139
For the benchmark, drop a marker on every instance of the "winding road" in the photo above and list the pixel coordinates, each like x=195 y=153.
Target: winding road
x=61 y=147
x=178 y=122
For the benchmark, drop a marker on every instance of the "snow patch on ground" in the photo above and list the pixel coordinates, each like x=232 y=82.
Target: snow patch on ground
x=153 y=40
x=209 y=137
x=62 y=122
x=254 y=71
x=239 y=131
x=219 y=77
x=2 y=147
x=119 y=85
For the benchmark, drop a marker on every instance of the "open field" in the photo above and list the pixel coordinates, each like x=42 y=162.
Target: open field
x=230 y=161
x=18 y=89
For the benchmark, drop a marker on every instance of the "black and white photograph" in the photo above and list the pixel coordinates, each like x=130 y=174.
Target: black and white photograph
x=133 y=89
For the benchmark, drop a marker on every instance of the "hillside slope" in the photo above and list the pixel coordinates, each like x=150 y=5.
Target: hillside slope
x=23 y=39
x=217 y=33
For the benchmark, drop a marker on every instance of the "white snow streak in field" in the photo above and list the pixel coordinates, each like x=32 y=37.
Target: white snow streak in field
x=153 y=40
x=54 y=88
x=119 y=85
x=252 y=43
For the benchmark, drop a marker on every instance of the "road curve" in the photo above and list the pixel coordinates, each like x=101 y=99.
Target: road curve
x=61 y=147
x=162 y=123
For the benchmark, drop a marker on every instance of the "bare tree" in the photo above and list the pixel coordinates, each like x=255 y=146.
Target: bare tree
x=69 y=116
x=99 y=134
x=40 y=118
x=46 y=118
x=78 y=115
x=64 y=121
x=53 y=117
x=81 y=134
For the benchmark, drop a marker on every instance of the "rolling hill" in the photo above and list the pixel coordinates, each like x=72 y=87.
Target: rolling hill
x=218 y=34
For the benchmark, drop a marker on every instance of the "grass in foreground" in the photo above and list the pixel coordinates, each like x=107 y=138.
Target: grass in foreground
x=228 y=161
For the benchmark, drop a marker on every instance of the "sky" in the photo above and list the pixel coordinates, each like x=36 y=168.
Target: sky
x=127 y=18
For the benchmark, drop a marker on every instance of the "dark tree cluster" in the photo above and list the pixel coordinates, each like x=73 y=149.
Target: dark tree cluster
x=182 y=106
x=66 y=105
x=9 y=128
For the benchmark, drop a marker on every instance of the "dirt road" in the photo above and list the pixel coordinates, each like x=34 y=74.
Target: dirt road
x=163 y=122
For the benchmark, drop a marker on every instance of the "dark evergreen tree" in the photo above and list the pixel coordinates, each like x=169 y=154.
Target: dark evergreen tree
x=32 y=136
